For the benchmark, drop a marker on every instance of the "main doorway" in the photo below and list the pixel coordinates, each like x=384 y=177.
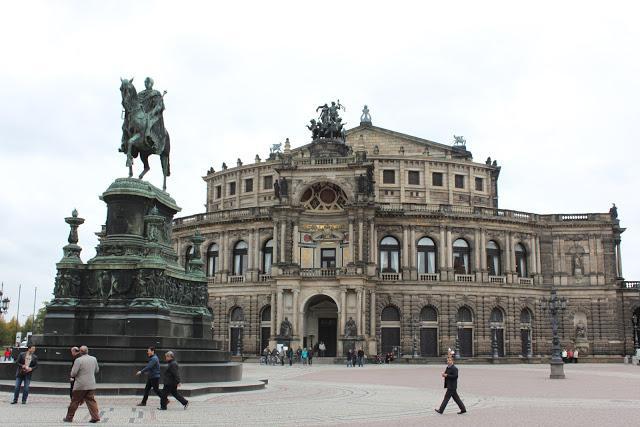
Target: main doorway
x=321 y=324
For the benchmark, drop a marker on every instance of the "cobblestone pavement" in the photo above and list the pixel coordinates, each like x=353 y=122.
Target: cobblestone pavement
x=377 y=395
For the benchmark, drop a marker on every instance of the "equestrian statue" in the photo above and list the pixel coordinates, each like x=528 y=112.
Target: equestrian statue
x=143 y=130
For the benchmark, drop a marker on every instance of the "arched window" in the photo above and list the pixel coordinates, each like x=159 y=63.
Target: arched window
x=188 y=256
x=496 y=316
x=267 y=256
x=428 y=314
x=212 y=259
x=389 y=255
x=521 y=261
x=525 y=316
x=390 y=314
x=265 y=316
x=237 y=315
x=240 y=258
x=493 y=259
x=526 y=332
x=461 y=253
x=464 y=315
x=426 y=255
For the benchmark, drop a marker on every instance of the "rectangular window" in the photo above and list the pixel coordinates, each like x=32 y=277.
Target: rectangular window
x=414 y=178
x=267 y=182
x=459 y=181
x=388 y=177
x=436 y=179
x=232 y=189
x=479 y=184
x=248 y=185
x=218 y=191
x=327 y=258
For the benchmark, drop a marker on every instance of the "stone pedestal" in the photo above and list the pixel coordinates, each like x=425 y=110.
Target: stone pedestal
x=350 y=343
x=131 y=295
x=557 y=370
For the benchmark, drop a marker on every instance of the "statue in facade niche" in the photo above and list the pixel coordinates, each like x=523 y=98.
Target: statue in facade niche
x=350 y=328
x=143 y=130
x=577 y=264
x=581 y=332
x=286 y=329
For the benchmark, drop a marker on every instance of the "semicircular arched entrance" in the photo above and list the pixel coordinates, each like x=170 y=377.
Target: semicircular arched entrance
x=321 y=324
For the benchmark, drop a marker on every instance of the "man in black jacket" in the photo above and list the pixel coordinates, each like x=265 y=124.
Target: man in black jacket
x=171 y=382
x=450 y=376
x=27 y=361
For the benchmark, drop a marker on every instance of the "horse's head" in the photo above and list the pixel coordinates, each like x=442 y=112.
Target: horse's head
x=128 y=92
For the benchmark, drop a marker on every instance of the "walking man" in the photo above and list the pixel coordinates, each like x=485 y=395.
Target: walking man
x=450 y=376
x=27 y=361
x=153 y=375
x=83 y=374
x=171 y=382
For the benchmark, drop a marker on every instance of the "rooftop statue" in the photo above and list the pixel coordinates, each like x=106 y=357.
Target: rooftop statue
x=329 y=123
x=365 y=118
x=459 y=141
x=143 y=130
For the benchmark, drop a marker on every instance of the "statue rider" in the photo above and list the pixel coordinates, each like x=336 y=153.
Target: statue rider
x=153 y=105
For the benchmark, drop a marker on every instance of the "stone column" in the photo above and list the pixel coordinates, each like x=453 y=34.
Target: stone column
x=372 y=314
x=538 y=262
x=296 y=320
x=413 y=259
x=532 y=265
x=280 y=310
x=296 y=250
x=363 y=311
x=360 y=240
x=375 y=245
x=283 y=240
x=274 y=313
x=405 y=247
x=483 y=255
x=450 y=255
x=477 y=264
x=618 y=259
x=359 y=312
x=352 y=242
x=276 y=244
x=372 y=243
x=442 y=256
x=251 y=248
x=343 y=311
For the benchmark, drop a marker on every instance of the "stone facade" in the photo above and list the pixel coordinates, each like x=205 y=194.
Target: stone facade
x=404 y=237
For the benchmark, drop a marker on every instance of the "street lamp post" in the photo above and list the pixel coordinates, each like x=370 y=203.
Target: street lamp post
x=414 y=329
x=4 y=302
x=554 y=305
x=456 y=354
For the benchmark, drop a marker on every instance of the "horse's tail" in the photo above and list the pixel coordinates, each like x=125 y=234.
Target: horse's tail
x=164 y=157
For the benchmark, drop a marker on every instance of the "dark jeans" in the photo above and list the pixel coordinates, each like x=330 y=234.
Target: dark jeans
x=452 y=393
x=151 y=383
x=173 y=391
x=360 y=361
x=25 y=391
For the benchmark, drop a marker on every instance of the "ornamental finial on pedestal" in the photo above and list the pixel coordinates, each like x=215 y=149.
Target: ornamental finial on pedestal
x=72 y=250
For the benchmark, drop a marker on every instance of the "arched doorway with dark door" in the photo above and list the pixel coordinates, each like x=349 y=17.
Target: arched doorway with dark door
x=429 y=331
x=390 y=330
x=465 y=331
x=236 y=328
x=321 y=324
x=265 y=328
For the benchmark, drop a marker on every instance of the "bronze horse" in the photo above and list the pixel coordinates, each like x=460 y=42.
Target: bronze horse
x=136 y=134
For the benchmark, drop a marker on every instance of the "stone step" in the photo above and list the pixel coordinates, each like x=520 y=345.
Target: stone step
x=111 y=389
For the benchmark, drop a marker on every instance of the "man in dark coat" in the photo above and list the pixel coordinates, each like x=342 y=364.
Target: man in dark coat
x=153 y=375
x=171 y=382
x=450 y=376
x=27 y=361
x=75 y=353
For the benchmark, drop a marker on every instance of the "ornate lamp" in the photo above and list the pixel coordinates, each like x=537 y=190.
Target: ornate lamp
x=4 y=302
x=554 y=305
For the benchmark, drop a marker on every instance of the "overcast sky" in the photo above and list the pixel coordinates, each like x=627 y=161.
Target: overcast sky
x=550 y=90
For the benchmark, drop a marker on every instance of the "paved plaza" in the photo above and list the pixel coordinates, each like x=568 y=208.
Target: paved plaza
x=380 y=395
